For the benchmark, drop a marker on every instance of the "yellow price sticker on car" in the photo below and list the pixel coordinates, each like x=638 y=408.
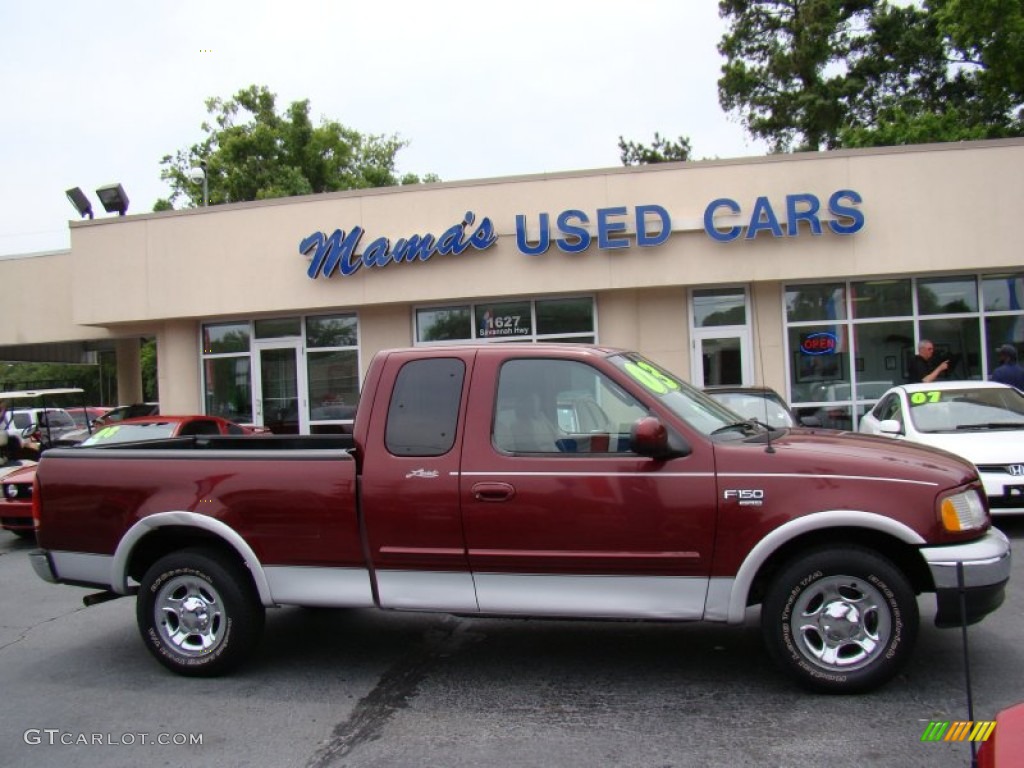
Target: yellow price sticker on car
x=656 y=381
x=920 y=398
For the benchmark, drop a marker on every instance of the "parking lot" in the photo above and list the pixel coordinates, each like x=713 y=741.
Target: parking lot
x=364 y=688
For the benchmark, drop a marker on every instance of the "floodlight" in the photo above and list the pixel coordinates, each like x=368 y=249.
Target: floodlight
x=80 y=201
x=113 y=198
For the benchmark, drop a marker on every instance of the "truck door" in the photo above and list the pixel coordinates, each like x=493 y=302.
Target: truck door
x=561 y=518
x=410 y=487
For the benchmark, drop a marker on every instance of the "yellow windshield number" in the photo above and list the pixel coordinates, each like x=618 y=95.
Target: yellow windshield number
x=656 y=381
x=920 y=398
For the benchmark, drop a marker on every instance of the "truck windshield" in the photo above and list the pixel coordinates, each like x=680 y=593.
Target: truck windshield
x=127 y=433
x=687 y=402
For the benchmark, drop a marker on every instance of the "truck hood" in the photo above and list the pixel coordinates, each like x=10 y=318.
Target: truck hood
x=807 y=451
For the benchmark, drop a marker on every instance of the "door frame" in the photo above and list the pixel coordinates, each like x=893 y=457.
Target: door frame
x=301 y=385
x=699 y=334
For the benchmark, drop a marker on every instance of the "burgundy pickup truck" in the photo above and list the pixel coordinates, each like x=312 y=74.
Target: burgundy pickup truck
x=532 y=480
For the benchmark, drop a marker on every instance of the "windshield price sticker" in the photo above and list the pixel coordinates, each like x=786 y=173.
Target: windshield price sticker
x=659 y=383
x=920 y=398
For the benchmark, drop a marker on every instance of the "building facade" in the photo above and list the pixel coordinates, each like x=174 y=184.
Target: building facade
x=816 y=274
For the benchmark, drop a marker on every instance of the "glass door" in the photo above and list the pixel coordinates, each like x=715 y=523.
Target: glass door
x=280 y=388
x=721 y=354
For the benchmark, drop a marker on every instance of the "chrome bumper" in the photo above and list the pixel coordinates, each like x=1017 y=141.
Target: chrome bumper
x=986 y=570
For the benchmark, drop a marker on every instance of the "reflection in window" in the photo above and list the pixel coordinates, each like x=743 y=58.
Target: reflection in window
x=565 y=316
x=1003 y=293
x=825 y=301
x=333 y=380
x=219 y=338
x=331 y=331
x=228 y=388
x=947 y=295
x=444 y=324
x=719 y=306
x=277 y=327
x=881 y=298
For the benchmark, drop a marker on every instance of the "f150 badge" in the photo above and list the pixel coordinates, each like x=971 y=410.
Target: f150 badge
x=746 y=497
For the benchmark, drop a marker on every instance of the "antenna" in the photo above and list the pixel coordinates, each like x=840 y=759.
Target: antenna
x=769 y=448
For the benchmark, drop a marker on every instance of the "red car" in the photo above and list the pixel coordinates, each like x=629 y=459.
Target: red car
x=157 y=427
x=16 y=505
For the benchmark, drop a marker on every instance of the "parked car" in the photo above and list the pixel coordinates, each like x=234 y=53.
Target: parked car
x=87 y=414
x=157 y=427
x=16 y=482
x=762 y=404
x=111 y=416
x=981 y=421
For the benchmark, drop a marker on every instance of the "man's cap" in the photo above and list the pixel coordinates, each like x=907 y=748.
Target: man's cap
x=1008 y=350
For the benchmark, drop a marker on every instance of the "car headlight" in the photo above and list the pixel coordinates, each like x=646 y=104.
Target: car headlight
x=11 y=491
x=964 y=511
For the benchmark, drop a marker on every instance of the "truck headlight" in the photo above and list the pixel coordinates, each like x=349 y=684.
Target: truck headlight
x=964 y=511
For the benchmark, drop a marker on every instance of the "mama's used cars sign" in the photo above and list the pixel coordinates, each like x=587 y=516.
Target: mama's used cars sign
x=574 y=231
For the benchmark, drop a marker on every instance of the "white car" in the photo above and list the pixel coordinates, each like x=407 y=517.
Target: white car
x=980 y=420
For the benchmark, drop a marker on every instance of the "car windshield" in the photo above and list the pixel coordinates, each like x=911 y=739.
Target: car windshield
x=762 y=406
x=126 y=433
x=687 y=402
x=966 y=408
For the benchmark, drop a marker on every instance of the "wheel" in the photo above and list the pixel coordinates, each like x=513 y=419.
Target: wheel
x=840 y=620
x=24 y=533
x=198 y=612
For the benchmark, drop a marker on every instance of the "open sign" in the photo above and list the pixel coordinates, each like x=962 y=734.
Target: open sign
x=821 y=343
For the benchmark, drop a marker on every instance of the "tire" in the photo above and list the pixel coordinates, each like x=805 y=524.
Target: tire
x=198 y=613
x=24 y=533
x=840 y=620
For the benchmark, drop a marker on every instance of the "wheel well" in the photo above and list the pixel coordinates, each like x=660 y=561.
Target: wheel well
x=904 y=557
x=171 y=538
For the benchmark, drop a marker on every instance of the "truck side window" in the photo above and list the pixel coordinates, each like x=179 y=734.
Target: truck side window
x=424 y=410
x=559 y=407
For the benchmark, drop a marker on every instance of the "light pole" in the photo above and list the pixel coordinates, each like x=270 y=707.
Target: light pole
x=199 y=174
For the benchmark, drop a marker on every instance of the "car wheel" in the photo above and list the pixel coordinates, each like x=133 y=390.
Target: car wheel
x=24 y=533
x=198 y=612
x=840 y=620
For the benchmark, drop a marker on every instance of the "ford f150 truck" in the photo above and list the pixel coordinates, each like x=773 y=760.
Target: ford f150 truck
x=531 y=480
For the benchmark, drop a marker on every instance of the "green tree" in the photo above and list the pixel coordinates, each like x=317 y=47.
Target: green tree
x=824 y=74
x=253 y=152
x=660 y=151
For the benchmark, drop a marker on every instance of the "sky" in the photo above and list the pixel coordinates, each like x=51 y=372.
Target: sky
x=98 y=93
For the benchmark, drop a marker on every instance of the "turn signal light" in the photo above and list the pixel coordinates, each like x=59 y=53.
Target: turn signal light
x=963 y=511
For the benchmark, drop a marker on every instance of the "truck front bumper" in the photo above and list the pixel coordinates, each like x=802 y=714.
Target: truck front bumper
x=986 y=569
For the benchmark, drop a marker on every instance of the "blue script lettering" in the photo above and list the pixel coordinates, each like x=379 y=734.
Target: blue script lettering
x=337 y=253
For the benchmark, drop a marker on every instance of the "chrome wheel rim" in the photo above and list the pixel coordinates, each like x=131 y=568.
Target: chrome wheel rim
x=841 y=623
x=190 y=616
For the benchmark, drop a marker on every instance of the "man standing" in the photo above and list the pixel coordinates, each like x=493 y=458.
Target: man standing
x=1008 y=372
x=922 y=370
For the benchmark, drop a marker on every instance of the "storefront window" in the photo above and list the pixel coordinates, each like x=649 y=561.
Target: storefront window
x=947 y=295
x=999 y=330
x=884 y=351
x=825 y=301
x=720 y=306
x=958 y=340
x=1003 y=293
x=228 y=388
x=565 y=316
x=881 y=298
x=219 y=338
x=444 y=324
x=505 y=320
x=820 y=363
x=564 y=319
x=278 y=327
x=333 y=385
x=331 y=331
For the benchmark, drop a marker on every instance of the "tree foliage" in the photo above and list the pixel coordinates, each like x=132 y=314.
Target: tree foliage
x=661 y=151
x=253 y=152
x=823 y=74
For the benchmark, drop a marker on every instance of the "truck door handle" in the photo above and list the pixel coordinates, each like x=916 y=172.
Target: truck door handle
x=493 y=491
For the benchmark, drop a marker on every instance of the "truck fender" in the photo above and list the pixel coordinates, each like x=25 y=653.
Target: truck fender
x=727 y=598
x=119 y=568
